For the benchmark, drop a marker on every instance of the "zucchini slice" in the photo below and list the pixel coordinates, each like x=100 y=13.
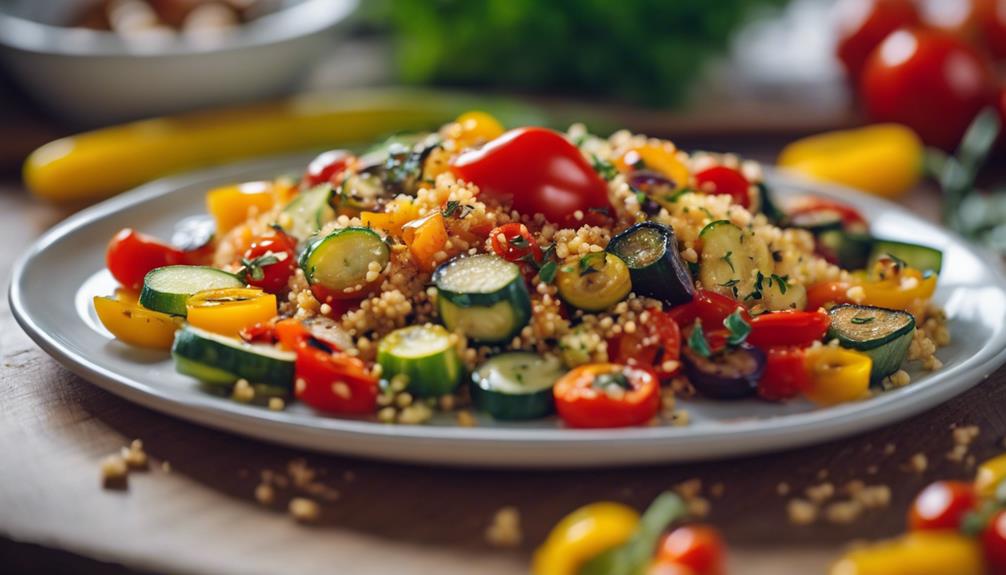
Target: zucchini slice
x=850 y=250
x=882 y=334
x=817 y=221
x=306 y=213
x=518 y=385
x=768 y=207
x=426 y=355
x=731 y=260
x=650 y=251
x=220 y=360
x=595 y=282
x=781 y=295
x=363 y=191
x=482 y=296
x=167 y=289
x=922 y=258
x=340 y=261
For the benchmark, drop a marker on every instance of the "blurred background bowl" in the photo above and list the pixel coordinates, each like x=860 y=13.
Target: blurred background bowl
x=92 y=77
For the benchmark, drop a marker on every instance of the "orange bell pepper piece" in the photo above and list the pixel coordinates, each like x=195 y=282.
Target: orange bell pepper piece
x=425 y=237
x=231 y=205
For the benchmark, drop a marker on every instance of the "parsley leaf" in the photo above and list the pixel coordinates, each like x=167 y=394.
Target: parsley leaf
x=738 y=327
x=782 y=282
x=697 y=341
x=603 y=168
x=726 y=258
x=548 y=271
x=861 y=320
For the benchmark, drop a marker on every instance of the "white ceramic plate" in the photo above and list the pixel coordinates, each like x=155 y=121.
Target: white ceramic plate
x=53 y=284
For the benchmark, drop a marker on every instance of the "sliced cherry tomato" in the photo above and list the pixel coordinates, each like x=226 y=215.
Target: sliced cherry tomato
x=607 y=395
x=699 y=547
x=270 y=261
x=785 y=374
x=326 y=167
x=710 y=307
x=941 y=505
x=930 y=81
x=851 y=218
x=827 y=294
x=334 y=382
x=863 y=24
x=263 y=332
x=721 y=180
x=513 y=242
x=652 y=345
x=994 y=544
x=540 y=171
x=131 y=255
x=788 y=328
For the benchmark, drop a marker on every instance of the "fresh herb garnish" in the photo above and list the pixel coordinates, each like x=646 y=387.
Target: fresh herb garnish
x=456 y=208
x=616 y=378
x=726 y=258
x=548 y=271
x=586 y=264
x=738 y=327
x=253 y=268
x=603 y=168
x=697 y=341
x=899 y=263
x=781 y=281
x=861 y=320
x=518 y=242
x=633 y=556
x=732 y=284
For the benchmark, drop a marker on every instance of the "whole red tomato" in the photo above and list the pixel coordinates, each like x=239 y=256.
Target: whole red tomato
x=721 y=180
x=941 y=505
x=699 y=547
x=269 y=262
x=992 y=26
x=325 y=167
x=994 y=543
x=131 y=255
x=540 y=171
x=930 y=81
x=863 y=25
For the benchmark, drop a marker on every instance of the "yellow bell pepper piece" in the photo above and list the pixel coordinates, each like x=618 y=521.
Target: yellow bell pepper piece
x=884 y=159
x=900 y=292
x=477 y=127
x=231 y=205
x=398 y=213
x=837 y=375
x=103 y=162
x=583 y=535
x=661 y=158
x=136 y=325
x=227 y=311
x=990 y=474
x=916 y=553
x=426 y=237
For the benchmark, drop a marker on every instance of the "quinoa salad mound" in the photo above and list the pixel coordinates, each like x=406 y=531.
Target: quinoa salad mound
x=525 y=274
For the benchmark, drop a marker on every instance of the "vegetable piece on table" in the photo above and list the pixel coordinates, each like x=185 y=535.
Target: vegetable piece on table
x=426 y=355
x=425 y=237
x=131 y=255
x=334 y=382
x=788 y=328
x=993 y=539
x=883 y=159
x=169 y=288
x=882 y=334
x=656 y=269
x=220 y=360
x=635 y=555
x=232 y=205
x=516 y=385
x=347 y=262
x=136 y=325
x=730 y=260
x=916 y=553
x=594 y=282
x=538 y=170
x=698 y=547
x=942 y=505
x=229 y=310
x=991 y=473
x=837 y=375
x=482 y=296
x=863 y=25
x=307 y=212
x=582 y=535
x=607 y=395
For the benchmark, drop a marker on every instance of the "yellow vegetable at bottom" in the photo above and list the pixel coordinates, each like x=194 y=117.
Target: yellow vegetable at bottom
x=583 y=535
x=916 y=553
x=883 y=159
x=837 y=375
x=228 y=311
x=989 y=475
x=136 y=325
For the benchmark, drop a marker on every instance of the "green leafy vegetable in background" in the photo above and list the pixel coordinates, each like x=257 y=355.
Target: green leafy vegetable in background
x=643 y=51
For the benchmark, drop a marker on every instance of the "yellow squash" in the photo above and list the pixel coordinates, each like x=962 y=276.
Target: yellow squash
x=228 y=311
x=990 y=475
x=583 y=535
x=136 y=325
x=916 y=553
x=837 y=375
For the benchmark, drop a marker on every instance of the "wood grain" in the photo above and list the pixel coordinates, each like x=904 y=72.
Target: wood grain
x=202 y=517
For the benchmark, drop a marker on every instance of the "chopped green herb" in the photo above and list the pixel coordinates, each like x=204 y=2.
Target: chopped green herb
x=726 y=258
x=547 y=271
x=253 y=268
x=738 y=327
x=697 y=340
x=616 y=378
x=862 y=320
x=782 y=282
x=603 y=168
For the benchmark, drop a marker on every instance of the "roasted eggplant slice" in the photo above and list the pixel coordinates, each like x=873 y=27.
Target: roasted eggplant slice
x=732 y=373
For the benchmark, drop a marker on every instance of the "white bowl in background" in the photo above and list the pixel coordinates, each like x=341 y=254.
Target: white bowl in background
x=91 y=77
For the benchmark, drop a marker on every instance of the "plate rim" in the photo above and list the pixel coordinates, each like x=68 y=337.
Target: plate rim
x=731 y=440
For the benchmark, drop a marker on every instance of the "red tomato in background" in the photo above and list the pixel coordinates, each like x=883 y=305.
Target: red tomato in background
x=275 y=275
x=698 y=547
x=540 y=171
x=863 y=25
x=992 y=26
x=131 y=255
x=994 y=543
x=930 y=81
x=941 y=505
x=721 y=180
x=325 y=167
x=785 y=374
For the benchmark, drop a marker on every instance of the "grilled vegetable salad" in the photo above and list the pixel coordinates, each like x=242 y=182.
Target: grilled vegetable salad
x=526 y=273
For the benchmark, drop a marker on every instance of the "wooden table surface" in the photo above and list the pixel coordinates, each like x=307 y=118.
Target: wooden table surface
x=202 y=517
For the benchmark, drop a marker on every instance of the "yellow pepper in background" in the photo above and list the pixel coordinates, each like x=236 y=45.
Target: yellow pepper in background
x=900 y=292
x=133 y=324
x=883 y=159
x=660 y=158
x=230 y=205
x=837 y=375
x=227 y=311
x=990 y=474
x=477 y=127
x=916 y=553
x=583 y=535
